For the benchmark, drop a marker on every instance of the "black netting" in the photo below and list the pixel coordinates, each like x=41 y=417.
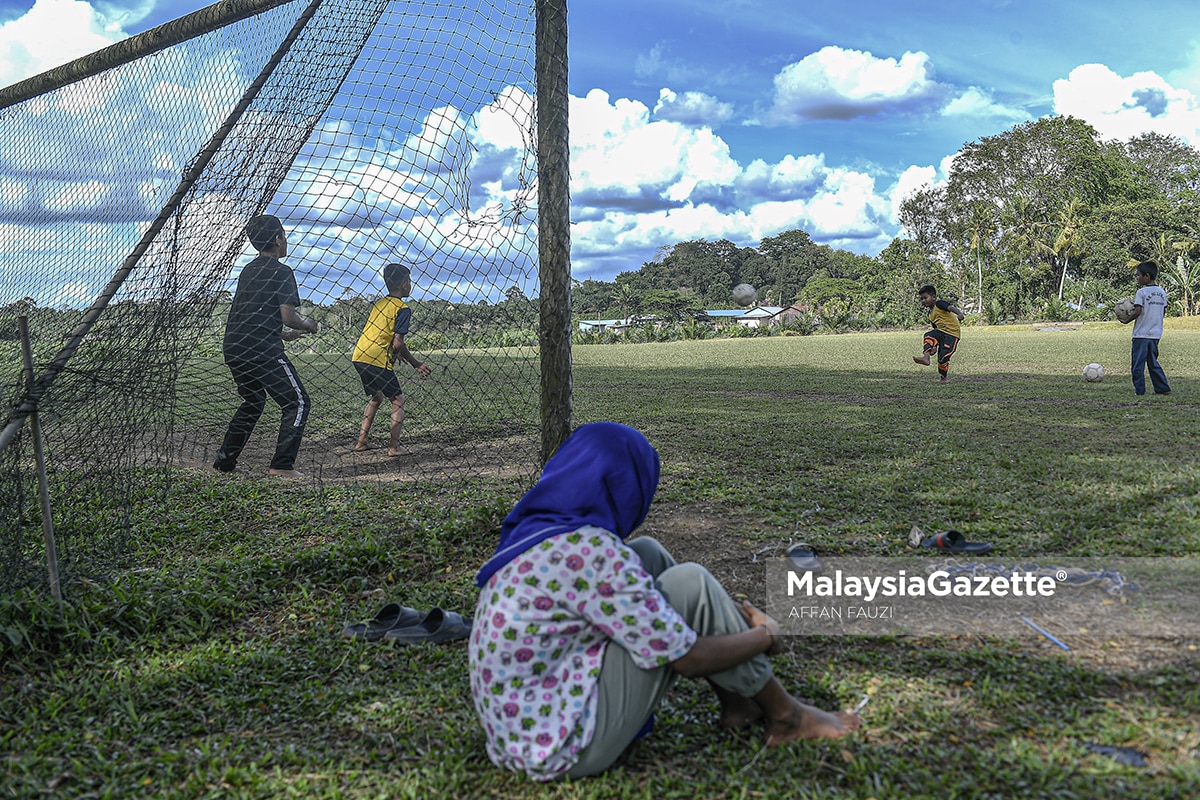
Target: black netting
x=380 y=132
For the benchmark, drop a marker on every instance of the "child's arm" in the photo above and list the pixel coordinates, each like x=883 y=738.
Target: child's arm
x=946 y=305
x=1137 y=312
x=402 y=352
x=296 y=325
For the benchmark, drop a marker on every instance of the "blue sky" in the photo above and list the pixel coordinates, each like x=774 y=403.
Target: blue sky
x=742 y=119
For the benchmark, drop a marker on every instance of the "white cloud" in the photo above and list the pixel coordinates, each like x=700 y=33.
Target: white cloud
x=639 y=183
x=691 y=108
x=912 y=180
x=74 y=294
x=835 y=83
x=53 y=33
x=975 y=102
x=618 y=155
x=1122 y=107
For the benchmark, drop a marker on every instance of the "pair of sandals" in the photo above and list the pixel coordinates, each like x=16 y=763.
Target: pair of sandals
x=399 y=624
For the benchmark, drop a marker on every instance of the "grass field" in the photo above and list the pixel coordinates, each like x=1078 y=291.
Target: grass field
x=214 y=668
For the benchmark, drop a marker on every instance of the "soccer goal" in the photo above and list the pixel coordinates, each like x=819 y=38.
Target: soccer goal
x=426 y=133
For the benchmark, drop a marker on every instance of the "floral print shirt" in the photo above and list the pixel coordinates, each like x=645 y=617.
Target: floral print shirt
x=542 y=624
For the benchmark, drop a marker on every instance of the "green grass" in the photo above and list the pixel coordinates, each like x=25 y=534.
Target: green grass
x=214 y=668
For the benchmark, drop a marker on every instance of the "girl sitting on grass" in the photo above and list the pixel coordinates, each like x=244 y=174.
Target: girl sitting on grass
x=579 y=634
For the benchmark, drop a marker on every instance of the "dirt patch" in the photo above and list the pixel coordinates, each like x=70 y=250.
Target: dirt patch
x=710 y=538
x=714 y=539
x=331 y=459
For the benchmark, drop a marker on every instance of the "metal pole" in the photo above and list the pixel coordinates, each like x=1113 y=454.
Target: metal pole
x=35 y=429
x=198 y=23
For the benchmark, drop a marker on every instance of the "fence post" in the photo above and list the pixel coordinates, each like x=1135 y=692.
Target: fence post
x=35 y=428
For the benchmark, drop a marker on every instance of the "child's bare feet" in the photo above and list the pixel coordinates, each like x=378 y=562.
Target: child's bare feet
x=922 y=360
x=285 y=473
x=736 y=711
x=802 y=721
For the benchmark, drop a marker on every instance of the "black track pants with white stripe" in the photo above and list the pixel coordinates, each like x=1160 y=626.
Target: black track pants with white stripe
x=256 y=380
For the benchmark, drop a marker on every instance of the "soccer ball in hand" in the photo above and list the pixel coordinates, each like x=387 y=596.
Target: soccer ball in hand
x=1124 y=309
x=744 y=294
x=1093 y=373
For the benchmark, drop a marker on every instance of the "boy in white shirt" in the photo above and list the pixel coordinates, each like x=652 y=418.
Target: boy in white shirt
x=1150 y=306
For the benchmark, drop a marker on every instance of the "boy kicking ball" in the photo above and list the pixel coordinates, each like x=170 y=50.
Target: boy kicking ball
x=942 y=340
x=378 y=347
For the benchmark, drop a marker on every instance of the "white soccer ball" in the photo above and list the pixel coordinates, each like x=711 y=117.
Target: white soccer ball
x=1124 y=309
x=744 y=294
x=1093 y=373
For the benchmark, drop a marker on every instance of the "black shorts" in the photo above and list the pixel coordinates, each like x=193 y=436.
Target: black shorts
x=377 y=379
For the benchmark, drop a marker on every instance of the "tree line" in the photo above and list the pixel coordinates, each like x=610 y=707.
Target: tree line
x=1042 y=221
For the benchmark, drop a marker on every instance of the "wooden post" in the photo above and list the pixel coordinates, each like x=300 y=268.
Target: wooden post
x=35 y=430
x=554 y=220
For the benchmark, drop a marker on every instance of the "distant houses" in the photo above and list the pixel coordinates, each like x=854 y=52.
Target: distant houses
x=755 y=317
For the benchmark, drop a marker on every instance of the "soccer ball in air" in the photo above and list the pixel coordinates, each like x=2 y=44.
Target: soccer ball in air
x=744 y=294
x=1093 y=373
x=1124 y=309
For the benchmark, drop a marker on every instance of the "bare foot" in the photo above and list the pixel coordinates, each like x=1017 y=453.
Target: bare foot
x=808 y=722
x=399 y=451
x=736 y=711
x=922 y=360
x=362 y=447
x=285 y=473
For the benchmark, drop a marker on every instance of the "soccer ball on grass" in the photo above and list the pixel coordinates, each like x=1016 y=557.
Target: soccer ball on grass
x=1124 y=309
x=1093 y=373
x=744 y=294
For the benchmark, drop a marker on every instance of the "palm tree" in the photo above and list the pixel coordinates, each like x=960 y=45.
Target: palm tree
x=1178 y=270
x=1068 y=243
x=625 y=298
x=1022 y=242
x=981 y=227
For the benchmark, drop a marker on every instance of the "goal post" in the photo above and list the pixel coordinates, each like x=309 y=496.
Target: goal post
x=424 y=133
x=554 y=243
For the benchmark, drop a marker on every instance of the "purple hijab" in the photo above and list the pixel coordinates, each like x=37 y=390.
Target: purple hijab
x=604 y=474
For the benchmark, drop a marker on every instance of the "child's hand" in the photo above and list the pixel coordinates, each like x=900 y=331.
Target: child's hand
x=759 y=619
x=422 y=370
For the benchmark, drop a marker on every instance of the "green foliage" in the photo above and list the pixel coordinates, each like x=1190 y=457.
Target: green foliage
x=216 y=667
x=835 y=314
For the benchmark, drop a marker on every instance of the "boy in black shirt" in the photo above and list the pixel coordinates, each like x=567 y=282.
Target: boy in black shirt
x=265 y=301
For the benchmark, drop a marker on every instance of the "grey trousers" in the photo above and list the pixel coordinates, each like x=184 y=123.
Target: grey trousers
x=628 y=693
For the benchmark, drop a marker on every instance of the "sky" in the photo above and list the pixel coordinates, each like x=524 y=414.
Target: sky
x=743 y=119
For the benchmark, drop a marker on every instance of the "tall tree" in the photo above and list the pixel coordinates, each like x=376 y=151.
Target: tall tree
x=981 y=227
x=1068 y=242
x=791 y=259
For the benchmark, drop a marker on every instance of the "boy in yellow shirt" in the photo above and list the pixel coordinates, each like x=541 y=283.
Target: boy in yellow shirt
x=380 y=343
x=942 y=340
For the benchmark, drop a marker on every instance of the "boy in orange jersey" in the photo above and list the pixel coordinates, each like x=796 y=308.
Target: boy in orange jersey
x=942 y=340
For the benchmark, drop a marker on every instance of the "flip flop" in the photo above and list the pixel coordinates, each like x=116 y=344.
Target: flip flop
x=390 y=616
x=437 y=626
x=953 y=542
x=804 y=557
x=1122 y=755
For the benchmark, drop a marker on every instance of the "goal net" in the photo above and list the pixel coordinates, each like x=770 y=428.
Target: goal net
x=376 y=132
